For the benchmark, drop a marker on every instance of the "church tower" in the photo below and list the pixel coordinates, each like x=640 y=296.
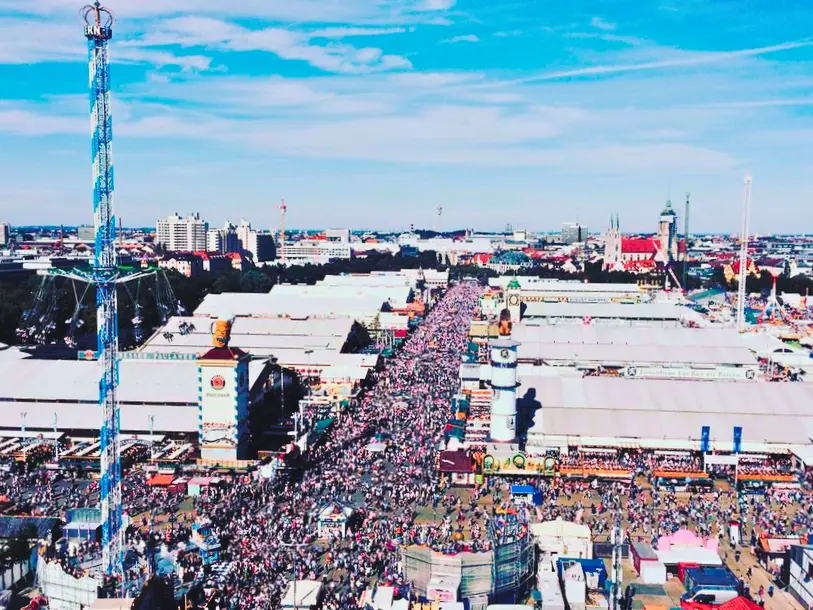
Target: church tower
x=667 y=232
x=612 y=244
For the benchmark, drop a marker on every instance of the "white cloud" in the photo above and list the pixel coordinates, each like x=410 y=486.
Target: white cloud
x=438 y=5
x=28 y=123
x=285 y=43
x=58 y=42
x=602 y=24
x=348 y=32
x=464 y=38
x=298 y=11
x=508 y=33
x=433 y=80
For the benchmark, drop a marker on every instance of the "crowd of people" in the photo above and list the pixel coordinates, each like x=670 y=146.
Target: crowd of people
x=765 y=465
x=269 y=528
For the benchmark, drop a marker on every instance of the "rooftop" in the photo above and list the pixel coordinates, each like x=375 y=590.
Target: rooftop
x=668 y=338
x=638 y=311
x=636 y=354
x=670 y=409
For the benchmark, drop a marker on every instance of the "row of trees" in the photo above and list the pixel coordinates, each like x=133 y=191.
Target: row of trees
x=17 y=292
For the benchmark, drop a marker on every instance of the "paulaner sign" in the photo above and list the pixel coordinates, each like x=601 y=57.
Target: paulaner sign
x=655 y=372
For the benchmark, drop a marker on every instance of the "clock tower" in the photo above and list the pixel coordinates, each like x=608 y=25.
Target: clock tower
x=513 y=300
x=504 y=385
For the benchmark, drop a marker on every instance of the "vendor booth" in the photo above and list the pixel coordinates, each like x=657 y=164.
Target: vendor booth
x=563 y=538
x=206 y=542
x=84 y=524
x=333 y=519
x=526 y=494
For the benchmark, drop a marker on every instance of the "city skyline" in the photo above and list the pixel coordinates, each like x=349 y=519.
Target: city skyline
x=360 y=113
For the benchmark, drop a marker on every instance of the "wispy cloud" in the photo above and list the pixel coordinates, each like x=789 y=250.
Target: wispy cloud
x=683 y=59
x=285 y=43
x=507 y=33
x=56 y=42
x=350 y=32
x=462 y=38
x=299 y=11
x=602 y=24
x=627 y=40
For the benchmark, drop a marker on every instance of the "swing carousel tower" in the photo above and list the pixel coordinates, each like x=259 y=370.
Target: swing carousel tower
x=104 y=275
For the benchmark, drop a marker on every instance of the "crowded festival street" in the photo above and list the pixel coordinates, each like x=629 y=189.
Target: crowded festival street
x=270 y=529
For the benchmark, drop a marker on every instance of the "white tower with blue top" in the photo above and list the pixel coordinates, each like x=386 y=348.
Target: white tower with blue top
x=504 y=383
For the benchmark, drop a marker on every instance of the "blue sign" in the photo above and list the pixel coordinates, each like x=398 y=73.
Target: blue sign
x=705 y=437
x=737 y=439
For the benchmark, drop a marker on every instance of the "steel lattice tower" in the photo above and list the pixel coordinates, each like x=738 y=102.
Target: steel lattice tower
x=104 y=275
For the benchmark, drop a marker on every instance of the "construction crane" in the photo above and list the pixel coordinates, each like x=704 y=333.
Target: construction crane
x=743 y=256
x=105 y=275
x=283 y=209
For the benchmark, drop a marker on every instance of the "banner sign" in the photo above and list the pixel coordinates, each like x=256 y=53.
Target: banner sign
x=657 y=372
x=737 y=439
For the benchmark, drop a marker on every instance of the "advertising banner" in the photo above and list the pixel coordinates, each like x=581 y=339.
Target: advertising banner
x=656 y=372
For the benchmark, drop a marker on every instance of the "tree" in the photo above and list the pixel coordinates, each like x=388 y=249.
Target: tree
x=18 y=547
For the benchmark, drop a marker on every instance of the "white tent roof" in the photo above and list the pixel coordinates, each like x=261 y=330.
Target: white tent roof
x=307 y=594
x=678 y=337
x=258 y=336
x=637 y=311
x=639 y=354
x=281 y=304
x=670 y=409
x=766 y=345
x=540 y=285
x=559 y=528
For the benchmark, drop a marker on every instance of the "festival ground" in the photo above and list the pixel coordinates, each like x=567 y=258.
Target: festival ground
x=268 y=528
x=662 y=508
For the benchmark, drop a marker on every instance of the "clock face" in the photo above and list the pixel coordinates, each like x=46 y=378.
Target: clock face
x=513 y=300
x=505 y=353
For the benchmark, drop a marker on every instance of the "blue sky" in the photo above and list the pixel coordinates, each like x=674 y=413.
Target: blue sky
x=371 y=113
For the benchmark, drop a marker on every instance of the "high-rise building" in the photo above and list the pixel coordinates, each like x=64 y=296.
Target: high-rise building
x=261 y=246
x=243 y=231
x=573 y=232
x=5 y=233
x=177 y=234
x=214 y=241
x=338 y=235
x=223 y=240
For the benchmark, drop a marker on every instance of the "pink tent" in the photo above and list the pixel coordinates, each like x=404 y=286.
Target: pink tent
x=683 y=539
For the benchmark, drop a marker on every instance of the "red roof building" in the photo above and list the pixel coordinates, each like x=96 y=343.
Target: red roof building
x=639 y=245
x=481 y=259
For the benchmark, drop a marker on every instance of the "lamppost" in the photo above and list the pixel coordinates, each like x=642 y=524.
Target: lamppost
x=296 y=546
x=23 y=415
x=151 y=418
x=56 y=440
x=308 y=353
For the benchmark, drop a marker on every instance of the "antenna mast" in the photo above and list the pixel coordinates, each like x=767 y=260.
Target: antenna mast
x=440 y=217
x=685 y=246
x=743 y=255
x=283 y=209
